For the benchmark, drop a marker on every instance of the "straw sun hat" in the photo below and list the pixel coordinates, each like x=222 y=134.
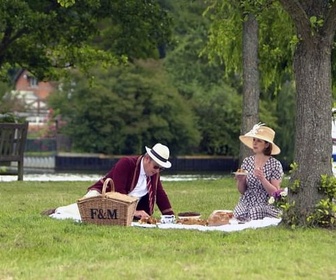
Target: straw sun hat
x=262 y=132
x=160 y=154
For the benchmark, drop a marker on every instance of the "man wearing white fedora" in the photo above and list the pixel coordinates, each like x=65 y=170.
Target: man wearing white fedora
x=139 y=176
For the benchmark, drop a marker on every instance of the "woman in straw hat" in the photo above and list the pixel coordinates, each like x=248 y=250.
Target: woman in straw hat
x=261 y=177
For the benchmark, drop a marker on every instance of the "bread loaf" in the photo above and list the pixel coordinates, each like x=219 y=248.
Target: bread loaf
x=219 y=218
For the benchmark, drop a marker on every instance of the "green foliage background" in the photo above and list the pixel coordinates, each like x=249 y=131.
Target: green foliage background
x=125 y=109
x=188 y=97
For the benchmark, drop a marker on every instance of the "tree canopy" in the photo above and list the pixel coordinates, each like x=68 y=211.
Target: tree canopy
x=276 y=39
x=46 y=37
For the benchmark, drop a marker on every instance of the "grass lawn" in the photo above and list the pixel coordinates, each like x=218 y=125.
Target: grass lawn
x=38 y=247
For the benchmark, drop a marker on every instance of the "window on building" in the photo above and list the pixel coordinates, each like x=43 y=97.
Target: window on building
x=32 y=81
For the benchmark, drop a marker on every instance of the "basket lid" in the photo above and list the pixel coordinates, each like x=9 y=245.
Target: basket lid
x=121 y=197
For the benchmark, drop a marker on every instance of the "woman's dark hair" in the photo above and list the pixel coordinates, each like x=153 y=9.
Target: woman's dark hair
x=268 y=150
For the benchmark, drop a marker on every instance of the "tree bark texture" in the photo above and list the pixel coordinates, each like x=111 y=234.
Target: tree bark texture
x=251 y=87
x=313 y=145
x=312 y=69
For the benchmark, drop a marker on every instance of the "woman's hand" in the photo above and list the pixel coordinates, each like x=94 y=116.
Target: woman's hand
x=240 y=177
x=259 y=174
x=269 y=186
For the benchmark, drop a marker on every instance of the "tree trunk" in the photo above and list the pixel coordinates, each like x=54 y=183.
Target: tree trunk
x=251 y=86
x=313 y=145
x=312 y=68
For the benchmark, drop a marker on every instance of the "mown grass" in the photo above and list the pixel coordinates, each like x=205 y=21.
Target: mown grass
x=38 y=247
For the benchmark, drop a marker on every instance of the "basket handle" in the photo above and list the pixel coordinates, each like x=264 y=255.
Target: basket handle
x=108 y=180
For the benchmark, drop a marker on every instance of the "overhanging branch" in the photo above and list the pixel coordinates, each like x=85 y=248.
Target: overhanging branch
x=299 y=16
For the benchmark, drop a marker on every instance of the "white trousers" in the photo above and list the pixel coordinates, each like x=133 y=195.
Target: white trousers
x=71 y=211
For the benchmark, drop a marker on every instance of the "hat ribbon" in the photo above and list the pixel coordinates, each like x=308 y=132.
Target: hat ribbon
x=158 y=156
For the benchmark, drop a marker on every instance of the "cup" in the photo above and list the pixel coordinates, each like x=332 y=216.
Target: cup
x=167 y=219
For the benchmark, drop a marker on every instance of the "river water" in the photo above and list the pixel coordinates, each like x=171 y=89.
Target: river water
x=72 y=176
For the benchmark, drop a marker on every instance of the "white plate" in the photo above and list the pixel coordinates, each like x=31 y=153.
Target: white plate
x=240 y=173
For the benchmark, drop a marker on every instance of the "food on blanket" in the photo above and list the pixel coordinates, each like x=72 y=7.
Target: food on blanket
x=148 y=220
x=183 y=214
x=189 y=215
x=220 y=217
x=192 y=221
x=239 y=170
x=228 y=212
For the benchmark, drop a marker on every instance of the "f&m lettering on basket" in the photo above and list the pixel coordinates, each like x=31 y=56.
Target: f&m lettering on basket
x=101 y=214
x=109 y=208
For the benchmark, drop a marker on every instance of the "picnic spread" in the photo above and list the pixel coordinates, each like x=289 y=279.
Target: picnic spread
x=232 y=226
x=220 y=222
x=113 y=208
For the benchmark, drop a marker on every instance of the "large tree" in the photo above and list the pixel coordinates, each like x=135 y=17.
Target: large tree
x=315 y=23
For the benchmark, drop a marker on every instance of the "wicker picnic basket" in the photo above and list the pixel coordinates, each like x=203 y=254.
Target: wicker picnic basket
x=109 y=208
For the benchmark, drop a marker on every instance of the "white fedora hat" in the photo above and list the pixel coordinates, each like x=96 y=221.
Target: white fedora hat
x=260 y=131
x=160 y=154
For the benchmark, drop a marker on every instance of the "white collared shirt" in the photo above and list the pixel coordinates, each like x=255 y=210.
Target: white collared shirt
x=140 y=189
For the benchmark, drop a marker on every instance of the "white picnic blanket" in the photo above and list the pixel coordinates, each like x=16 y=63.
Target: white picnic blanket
x=232 y=226
x=72 y=212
